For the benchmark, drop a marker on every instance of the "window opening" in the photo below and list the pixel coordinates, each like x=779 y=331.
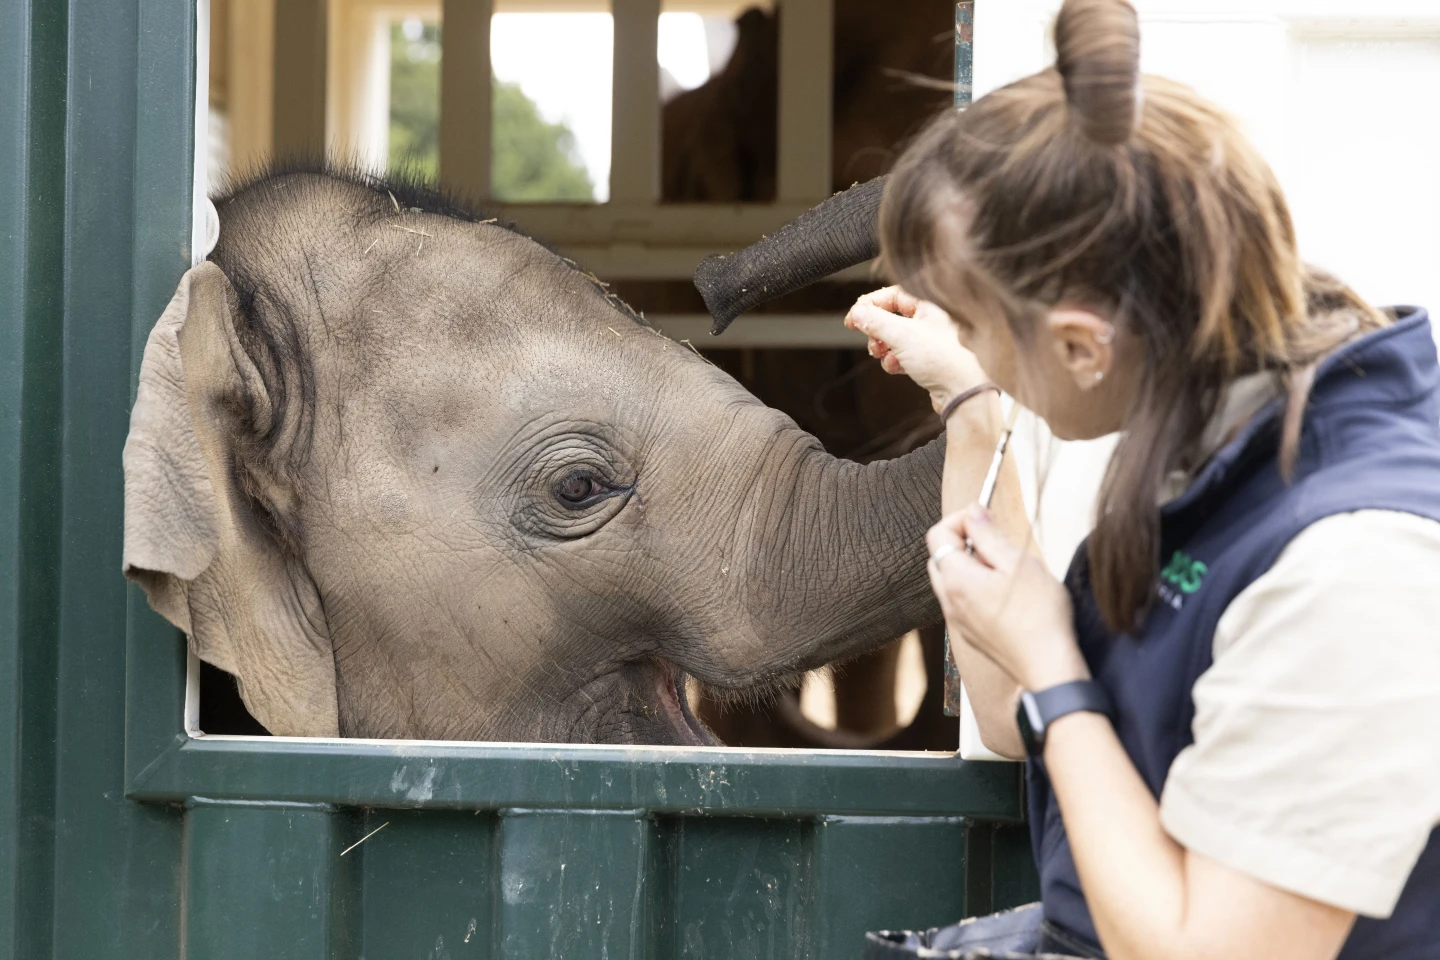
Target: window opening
x=551 y=121
x=550 y=130
x=552 y=94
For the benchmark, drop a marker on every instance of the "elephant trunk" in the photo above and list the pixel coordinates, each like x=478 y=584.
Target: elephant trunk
x=837 y=234
x=836 y=560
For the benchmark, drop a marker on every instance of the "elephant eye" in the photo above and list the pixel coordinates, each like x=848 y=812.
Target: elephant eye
x=580 y=489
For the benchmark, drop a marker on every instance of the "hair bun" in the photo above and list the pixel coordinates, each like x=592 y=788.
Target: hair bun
x=1097 y=52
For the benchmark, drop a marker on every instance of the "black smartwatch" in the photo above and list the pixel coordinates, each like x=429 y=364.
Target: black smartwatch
x=1038 y=710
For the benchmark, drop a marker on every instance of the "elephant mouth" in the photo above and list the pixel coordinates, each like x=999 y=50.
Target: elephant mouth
x=676 y=706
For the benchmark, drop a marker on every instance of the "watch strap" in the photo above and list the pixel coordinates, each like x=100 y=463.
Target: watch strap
x=1073 y=697
x=1038 y=710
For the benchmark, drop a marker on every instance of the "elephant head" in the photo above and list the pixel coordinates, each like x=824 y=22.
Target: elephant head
x=406 y=473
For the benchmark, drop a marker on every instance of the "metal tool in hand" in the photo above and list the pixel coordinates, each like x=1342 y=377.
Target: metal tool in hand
x=992 y=476
x=987 y=493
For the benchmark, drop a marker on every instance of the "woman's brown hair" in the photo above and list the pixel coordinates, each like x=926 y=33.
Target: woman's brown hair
x=1092 y=183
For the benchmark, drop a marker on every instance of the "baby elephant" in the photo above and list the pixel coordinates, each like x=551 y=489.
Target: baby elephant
x=406 y=473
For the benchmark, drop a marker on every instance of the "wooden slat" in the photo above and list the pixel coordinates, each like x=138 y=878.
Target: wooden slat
x=430 y=9
x=805 y=108
x=299 y=92
x=250 y=82
x=625 y=261
x=635 y=117
x=358 y=72
x=725 y=226
x=465 y=97
x=772 y=330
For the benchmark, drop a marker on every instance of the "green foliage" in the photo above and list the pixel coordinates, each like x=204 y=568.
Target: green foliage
x=531 y=159
x=415 y=101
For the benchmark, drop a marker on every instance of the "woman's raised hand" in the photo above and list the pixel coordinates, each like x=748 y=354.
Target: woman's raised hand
x=1003 y=600
x=916 y=338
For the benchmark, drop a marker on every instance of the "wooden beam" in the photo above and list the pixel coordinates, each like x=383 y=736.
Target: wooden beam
x=635 y=100
x=771 y=330
x=299 y=91
x=807 y=38
x=466 y=103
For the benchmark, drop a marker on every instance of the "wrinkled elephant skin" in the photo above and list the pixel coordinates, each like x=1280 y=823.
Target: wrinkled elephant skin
x=411 y=475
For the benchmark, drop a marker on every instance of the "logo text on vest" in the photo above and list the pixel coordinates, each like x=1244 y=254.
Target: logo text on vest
x=1180 y=578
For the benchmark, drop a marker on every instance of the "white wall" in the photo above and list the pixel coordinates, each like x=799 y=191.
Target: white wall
x=1340 y=95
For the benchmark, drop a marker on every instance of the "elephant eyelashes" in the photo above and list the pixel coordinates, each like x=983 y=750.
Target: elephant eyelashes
x=576 y=478
x=581 y=489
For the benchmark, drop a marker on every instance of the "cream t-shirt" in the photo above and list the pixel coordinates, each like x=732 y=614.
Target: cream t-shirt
x=1316 y=761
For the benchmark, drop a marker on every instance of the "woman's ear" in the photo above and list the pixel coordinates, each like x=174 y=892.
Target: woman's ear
x=1083 y=341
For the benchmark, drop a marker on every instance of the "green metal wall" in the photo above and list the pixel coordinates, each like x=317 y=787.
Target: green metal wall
x=121 y=837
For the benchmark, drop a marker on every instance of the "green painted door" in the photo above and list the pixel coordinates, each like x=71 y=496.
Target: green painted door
x=122 y=837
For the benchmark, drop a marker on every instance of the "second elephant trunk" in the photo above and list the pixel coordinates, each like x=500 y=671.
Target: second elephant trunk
x=837 y=234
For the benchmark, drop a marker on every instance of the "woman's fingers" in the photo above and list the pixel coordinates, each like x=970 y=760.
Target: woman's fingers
x=893 y=300
x=951 y=566
x=870 y=319
x=992 y=546
x=950 y=531
x=961 y=584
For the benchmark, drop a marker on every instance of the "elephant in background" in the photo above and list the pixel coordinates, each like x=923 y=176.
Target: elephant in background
x=408 y=474
x=893 y=65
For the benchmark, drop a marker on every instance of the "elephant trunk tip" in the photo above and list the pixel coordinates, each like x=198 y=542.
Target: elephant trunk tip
x=719 y=291
x=839 y=233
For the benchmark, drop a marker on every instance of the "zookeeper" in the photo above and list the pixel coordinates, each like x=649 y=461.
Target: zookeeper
x=1231 y=707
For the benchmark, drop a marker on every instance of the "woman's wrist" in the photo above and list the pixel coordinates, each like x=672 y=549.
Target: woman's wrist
x=955 y=375
x=979 y=414
x=943 y=393
x=1062 y=666
x=964 y=396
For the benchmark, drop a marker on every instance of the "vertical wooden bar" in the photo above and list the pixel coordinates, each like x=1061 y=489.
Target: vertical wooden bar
x=807 y=38
x=635 y=99
x=250 y=82
x=300 y=56
x=358 y=78
x=465 y=96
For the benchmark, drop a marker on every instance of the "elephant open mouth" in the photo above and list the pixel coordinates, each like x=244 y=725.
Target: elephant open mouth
x=675 y=705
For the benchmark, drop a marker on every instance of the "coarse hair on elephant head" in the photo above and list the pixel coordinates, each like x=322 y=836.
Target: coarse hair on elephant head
x=408 y=474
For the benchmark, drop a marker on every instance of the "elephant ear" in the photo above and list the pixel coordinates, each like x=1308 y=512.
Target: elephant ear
x=193 y=539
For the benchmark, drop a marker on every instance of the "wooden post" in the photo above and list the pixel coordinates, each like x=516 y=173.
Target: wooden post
x=466 y=103
x=635 y=99
x=250 y=82
x=807 y=38
x=299 y=92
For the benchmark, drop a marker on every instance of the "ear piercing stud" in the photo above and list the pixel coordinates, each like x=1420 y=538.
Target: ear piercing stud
x=1099 y=375
x=1106 y=336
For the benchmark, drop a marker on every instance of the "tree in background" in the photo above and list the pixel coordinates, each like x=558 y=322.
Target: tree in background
x=531 y=159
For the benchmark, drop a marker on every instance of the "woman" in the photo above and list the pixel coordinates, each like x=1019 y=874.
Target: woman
x=1231 y=708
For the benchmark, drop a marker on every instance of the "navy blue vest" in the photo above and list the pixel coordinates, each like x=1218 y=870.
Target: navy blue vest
x=1371 y=441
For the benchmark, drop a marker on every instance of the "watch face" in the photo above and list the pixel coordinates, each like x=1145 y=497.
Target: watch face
x=1031 y=724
